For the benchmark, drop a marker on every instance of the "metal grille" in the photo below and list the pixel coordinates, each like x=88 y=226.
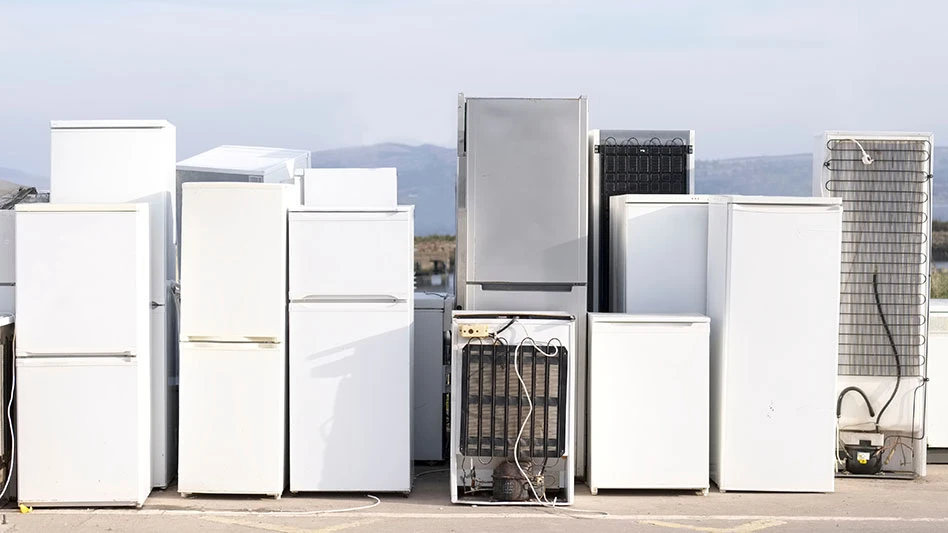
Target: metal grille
x=496 y=403
x=631 y=166
x=886 y=248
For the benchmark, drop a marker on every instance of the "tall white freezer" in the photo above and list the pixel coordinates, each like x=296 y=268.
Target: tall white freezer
x=82 y=355
x=773 y=300
x=659 y=254
x=351 y=314
x=430 y=379
x=648 y=401
x=233 y=350
x=132 y=161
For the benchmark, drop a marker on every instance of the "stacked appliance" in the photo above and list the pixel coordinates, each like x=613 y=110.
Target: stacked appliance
x=936 y=412
x=132 y=161
x=431 y=376
x=351 y=290
x=244 y=164
x=233 y=326
x=648 y=373
x=773 y=300
x=639 y=162
x=7 y=267
x=368 y=188
x=523 y=213
x=659 y=254
x=885 y=183
x=83 y=372
x=513 y=397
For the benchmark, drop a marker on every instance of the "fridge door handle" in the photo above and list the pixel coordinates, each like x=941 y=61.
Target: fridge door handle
x=211 y=338
x=26 y=353
x=338 y=298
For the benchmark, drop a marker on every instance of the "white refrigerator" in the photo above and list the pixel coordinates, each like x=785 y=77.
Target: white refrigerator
x=351 y=292
x=773 y=300
x=233 y=323
x=648 y=373
x=82 y=355
x=106 y=161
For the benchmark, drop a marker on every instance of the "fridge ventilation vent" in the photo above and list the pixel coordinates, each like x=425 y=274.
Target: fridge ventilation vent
x=496 y=402
x=885 y=251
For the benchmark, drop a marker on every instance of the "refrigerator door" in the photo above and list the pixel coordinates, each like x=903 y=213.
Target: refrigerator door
x=232 y=418
x=631 y=361
x=659 y=257
x=83 y=279
x=522 y=202
x=351 y=254
x=779 y=352
x=233 y=262
x=83 y=432
x=121 y=161
x=350 y=397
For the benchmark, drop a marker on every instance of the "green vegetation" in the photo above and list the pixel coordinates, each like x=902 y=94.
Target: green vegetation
x=939 y=283
x=433 y=238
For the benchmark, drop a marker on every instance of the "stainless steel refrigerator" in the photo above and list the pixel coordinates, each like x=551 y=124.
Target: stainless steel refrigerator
x=523 y=213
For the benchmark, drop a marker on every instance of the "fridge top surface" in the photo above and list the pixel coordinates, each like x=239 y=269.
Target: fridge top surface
x=543 y=98
x=774 y=200
x=6 y=319
x=625 y=134
x=877 y=135
x=108 y=124
x=507 y=315
x=234 y=185
x=671 y=318
x=298 y=209
x=432 y=300
x=257 y=160
x=72 y=208
x=664 y=198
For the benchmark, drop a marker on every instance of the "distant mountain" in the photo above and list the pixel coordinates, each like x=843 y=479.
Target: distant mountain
x=426 y=176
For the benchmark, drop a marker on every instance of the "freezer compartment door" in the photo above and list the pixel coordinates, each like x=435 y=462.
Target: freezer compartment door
x=82 y=284
x=232 y=418
x=350 y=254
x=233 y=262
x=350 y=397
x=82 y=432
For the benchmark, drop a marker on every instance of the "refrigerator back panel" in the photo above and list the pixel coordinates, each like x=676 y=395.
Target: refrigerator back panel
x=121 y=161
x=365 y=188
x=886 y=247
x=81 y=275
x=522 y=190
x=350 y=255
x=233 y=262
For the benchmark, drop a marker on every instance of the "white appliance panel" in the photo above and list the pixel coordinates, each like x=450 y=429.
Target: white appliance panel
x=365 y=188
x=232 y=418
x=233 y=261
x=648 y=373
x=432 y=320
x=77 y=276
x=777 y=386
x=937 y=400
x=83 y=433
x=351 y=254
x=350 y=396
x=659 y=257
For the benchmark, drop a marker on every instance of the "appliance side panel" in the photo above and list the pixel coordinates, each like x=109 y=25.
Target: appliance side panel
x=937 y=401
x=592 y=276
x=717 y=277
x=462 y=250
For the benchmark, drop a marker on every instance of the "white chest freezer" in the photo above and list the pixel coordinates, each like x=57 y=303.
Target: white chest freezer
x=648 y=401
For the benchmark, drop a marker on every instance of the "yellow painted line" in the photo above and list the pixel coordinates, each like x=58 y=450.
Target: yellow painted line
x=749 y=527
x=279 y=528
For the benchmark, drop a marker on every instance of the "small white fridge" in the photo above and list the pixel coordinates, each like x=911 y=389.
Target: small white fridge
x=233 y=324
x=648 y=401
x=659 y=253
x=773 y=300
x=431 y=368
x=351 y=292
x=82 y=355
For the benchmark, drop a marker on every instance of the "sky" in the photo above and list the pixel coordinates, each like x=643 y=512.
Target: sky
x=751 y=77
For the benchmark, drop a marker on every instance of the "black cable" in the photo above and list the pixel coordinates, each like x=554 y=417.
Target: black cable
x=839 y=400
x=895 y=351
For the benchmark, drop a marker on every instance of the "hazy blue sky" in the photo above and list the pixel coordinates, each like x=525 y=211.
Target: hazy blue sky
x=752 y=77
